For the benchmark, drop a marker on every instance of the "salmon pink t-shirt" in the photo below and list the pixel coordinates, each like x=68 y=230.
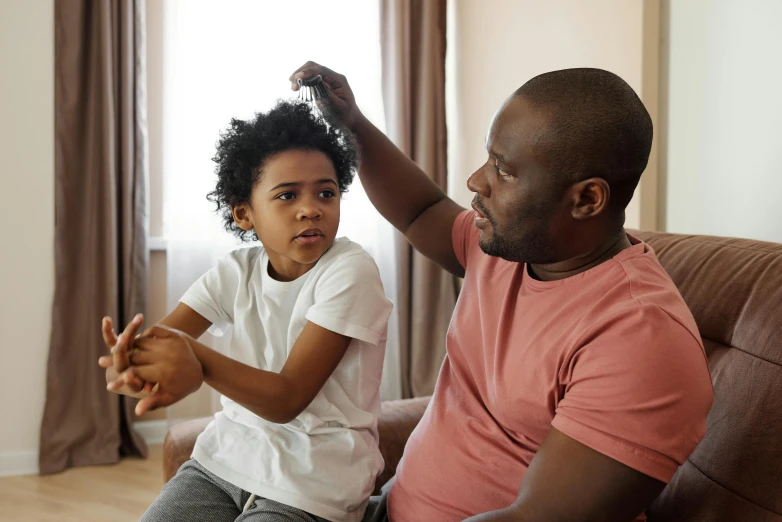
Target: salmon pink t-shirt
x=610 y=357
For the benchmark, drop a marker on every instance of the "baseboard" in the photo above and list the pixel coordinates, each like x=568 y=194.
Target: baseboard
x=153 y=432
x=14 y=463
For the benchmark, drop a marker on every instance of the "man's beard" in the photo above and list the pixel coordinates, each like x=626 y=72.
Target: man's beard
x=517 y=246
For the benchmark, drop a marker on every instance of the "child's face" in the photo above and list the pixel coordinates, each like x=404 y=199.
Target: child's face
x=294 y=211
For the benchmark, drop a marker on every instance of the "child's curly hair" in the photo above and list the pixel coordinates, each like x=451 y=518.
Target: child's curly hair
x=246 y=146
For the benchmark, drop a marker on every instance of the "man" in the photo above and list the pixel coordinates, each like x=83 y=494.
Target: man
x=575 y=381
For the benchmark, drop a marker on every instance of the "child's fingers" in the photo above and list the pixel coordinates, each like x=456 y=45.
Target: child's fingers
x=107 y=329
x=114 y=385
x=151 y=402
x=141 y=354
x=143 y=405
x=120 y=349
x=119 y=353
x=135 y=383
x=131 y=330
x=106 y=361
x=127 y=378
x=149 y=372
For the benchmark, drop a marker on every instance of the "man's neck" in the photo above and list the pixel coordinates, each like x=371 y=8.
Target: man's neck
x=606 y=250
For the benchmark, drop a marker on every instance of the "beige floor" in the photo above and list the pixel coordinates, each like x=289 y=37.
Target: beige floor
x=117 y=493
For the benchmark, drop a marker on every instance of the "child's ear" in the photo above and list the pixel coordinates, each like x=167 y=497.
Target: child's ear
x=242 y=217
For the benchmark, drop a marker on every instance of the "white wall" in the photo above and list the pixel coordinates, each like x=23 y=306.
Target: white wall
x=724 y=141
x=26 y=223
x=495 y=46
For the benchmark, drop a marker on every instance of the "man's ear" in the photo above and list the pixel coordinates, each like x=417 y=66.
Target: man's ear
x=242 y=217
x=590 y=198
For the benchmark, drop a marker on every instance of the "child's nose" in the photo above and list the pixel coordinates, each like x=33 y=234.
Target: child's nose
x=309 y=211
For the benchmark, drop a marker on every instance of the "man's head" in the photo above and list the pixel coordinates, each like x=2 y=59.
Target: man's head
x=566 y=151
x=279 y=180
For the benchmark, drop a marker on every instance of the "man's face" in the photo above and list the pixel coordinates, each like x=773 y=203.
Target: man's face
x=519 y=206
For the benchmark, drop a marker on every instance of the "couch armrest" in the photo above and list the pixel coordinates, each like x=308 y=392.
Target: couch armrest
x=179 y=444
x=398 y=419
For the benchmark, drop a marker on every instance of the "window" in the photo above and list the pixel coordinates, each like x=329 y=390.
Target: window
x=230 y=59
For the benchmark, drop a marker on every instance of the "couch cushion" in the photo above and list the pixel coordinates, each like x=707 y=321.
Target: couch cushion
x=734 y=290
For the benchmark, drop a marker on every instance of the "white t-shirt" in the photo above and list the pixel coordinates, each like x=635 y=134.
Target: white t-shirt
x=326 y=460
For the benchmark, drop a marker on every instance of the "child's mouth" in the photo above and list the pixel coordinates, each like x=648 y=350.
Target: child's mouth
x=310 y=236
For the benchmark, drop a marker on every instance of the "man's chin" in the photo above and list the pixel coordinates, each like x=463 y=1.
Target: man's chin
x=493 y=247
x=488 y=246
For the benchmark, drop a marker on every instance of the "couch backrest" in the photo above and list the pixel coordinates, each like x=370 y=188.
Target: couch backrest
x=734 y=290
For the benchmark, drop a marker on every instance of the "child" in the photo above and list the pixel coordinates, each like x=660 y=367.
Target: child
x=297 y=435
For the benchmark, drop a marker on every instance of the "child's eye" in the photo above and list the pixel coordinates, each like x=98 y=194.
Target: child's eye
x=286 y=196
x=327 y=194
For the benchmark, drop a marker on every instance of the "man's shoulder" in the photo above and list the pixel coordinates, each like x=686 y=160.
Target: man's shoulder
x=651 y=290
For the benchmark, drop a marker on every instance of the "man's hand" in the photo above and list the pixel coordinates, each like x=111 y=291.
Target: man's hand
x=397 y=187
x=118 y=361
x=340 y=104
x=163 y=355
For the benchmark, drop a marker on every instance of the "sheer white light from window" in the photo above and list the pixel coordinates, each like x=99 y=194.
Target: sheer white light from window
x=230 y=59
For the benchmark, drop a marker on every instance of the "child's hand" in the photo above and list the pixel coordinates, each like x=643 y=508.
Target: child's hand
x=164 y=355
x=119 y=360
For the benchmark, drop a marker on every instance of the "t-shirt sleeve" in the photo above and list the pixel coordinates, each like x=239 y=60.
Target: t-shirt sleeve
x=638 y=390
x=464 y=236
x=350 y=300
x=214 y=293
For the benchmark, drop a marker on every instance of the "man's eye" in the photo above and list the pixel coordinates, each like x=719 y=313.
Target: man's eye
x=286 y=196
x=327 y=194
x=499 y=170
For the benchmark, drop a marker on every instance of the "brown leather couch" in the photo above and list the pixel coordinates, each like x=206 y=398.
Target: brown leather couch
x=734 y=289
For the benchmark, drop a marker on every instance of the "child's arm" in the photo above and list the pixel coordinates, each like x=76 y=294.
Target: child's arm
x=277 y=397
x=187 y=320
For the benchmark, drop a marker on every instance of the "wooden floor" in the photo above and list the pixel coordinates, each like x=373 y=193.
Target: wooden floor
x=118 y=493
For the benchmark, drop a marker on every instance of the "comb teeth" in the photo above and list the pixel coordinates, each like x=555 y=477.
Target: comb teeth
x=312 y=89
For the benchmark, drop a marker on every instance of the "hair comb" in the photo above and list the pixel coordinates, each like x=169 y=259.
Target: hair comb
x=312 y=89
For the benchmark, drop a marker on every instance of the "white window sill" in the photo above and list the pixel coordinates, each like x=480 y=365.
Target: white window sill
x=157 y=244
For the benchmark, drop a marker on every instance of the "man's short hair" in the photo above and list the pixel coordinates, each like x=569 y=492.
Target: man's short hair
x=599 y=128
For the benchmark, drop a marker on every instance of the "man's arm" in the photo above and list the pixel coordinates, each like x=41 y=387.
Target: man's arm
x=396 y=186
x=568 y=481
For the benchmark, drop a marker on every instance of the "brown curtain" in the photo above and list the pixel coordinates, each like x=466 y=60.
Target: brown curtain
x=101 y=256
x=412 y=39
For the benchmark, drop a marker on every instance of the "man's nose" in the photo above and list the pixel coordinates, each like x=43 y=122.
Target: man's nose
x=477 y=183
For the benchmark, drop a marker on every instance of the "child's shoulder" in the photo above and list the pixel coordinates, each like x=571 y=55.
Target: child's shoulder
x=346 y=255
x=242 y=259
x=344 y=250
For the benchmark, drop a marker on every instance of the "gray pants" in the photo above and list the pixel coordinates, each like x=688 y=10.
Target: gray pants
x=195 y=494
x=377 y=510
